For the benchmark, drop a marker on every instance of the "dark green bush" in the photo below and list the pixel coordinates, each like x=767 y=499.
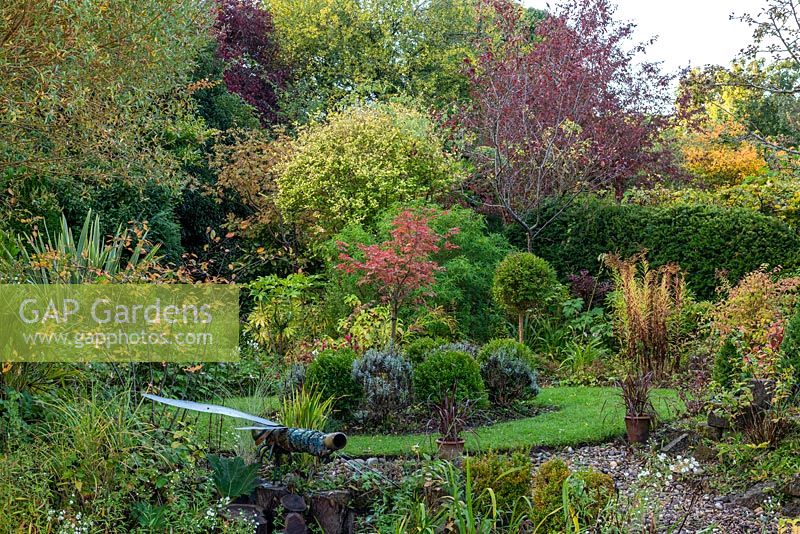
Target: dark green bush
x=418 y=350
x=437 y=375
x=701 y=239
x=464 y=286
x=509 y=477
x=331 y=374
x=727 y=365
x=790 y=348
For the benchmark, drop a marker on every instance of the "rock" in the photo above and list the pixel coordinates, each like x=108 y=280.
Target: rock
x=372 y=462
x=716 y=421
x=268 y=496
x=703 y=453
x=755 y=496
x=792 y=488
x=294 y=524
x=675 y=443
x=293 y=503
x=792 y=507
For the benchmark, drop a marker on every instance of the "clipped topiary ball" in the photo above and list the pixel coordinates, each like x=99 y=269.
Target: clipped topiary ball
x=331 y=374
x=418 y=350
x=436 y=376
x=524 y=283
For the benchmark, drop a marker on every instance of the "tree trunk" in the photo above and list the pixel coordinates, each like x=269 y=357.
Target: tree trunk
x=394 y=326
x=529 y=234
x=520 y=321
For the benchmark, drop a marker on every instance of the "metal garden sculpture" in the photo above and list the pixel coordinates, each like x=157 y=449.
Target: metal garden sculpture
x=271 y=438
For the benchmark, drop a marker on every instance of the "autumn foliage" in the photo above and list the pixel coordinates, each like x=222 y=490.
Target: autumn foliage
x=716 y=156
x=400 y=267
x=647 y=310
x=562 y=112
x=754 y=313
x=246 y=42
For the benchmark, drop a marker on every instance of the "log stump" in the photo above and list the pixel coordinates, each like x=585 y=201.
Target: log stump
x=329 y=509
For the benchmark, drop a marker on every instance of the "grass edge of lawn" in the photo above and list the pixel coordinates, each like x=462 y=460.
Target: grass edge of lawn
x=584 y=415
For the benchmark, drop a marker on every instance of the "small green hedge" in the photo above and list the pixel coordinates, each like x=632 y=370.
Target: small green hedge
x=437 y=375
x=702 y=239
x=331 y=374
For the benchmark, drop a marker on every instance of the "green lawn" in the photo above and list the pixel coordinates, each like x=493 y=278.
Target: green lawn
x=584 y=415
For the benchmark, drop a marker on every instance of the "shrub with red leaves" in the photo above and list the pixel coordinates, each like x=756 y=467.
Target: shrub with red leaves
x=246 y=41
x=592 y=290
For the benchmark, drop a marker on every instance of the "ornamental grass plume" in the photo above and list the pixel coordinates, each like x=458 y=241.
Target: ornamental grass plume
x=647 y=307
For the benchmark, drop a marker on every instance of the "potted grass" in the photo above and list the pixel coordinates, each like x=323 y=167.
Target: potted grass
x=450 y=420
x=639 y=411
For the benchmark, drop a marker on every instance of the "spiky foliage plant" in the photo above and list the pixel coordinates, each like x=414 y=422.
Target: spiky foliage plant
x=647 y=308
x=61 y=258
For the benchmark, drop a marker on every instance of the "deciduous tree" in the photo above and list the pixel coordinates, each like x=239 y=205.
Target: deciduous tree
x=401 y=267
x=764 y=80
x=348 y=51
x=92 y=94
x=358 y=163
x=562 y=112
x=247 y=42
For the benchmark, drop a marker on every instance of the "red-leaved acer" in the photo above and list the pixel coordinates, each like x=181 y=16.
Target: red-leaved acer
x=401 y=268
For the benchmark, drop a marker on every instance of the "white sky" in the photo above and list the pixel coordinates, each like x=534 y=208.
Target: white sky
x=690 y=32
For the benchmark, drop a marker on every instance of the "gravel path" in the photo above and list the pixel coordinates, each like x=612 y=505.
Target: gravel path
x=704 y=511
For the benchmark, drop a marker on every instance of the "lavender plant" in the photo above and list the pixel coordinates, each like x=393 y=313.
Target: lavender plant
x=385 y=377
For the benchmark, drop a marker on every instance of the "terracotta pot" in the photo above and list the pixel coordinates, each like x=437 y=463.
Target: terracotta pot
x=638 y=427
x=450 y=450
